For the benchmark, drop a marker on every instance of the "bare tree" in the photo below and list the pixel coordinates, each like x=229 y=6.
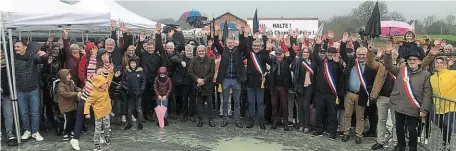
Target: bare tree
x=450 y=20
x=364 y=11
x=396 y=16
x=428 y=21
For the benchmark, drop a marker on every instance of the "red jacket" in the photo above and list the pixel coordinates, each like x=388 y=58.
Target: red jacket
x=82 y=74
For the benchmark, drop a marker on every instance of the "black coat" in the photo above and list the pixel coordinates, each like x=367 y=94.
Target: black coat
x=27 y=71
x=170 y=61
x=336 y=70
x=134 y=80
x=181 y=75
x=203 y=68
x=285 y=70
x=299 y=75
x=237 y=59
x=368 y=74
x=254 y=77
x=149 y=62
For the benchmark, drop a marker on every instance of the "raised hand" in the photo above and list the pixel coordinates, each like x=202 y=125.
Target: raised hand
x=123 y=28
x=380 y=52
x=388 y=47
x=60 y=42
x=354 y=37
x=217 y=27
x=437 y=41
x=279 y=37
x=247 y=29
x=330 y=34
x=113 y=24
x=318 y=40
x=344 y=37
x=262 y=29
x=435 y=50
x=157 y=28
x=142 y=36
x=443 y=43
x=65 y=32
x=269 y=44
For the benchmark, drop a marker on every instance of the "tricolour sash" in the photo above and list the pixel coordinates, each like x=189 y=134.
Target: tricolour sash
x=360 y=76
x=408 y=87
x=306 y=66
x=256 y=62
x=330 y=79
x=392 y=76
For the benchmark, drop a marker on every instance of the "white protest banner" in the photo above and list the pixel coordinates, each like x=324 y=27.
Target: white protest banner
x=283 y=25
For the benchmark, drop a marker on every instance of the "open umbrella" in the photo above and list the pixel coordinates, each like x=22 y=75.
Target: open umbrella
x=373 y=26
x=161 y=111
x=196 y=19
x=394 y=28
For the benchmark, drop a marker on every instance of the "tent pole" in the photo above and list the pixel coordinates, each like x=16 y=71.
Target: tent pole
x=20 y=35
x=12 y=84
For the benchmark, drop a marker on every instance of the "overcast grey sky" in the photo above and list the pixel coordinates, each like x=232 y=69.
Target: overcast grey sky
x=323 y=10
x=320 y=9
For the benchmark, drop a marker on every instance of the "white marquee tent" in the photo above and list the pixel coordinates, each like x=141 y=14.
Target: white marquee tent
x=118 y=13
x=48 y=15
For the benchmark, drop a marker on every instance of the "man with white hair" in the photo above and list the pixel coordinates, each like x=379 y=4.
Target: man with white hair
x=171 y=60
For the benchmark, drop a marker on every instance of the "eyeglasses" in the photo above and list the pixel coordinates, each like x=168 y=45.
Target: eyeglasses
x=413 y=60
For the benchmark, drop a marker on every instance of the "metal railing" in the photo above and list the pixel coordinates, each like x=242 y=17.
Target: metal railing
x=435 y=133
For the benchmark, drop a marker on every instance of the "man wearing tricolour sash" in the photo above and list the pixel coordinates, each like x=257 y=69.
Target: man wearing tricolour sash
x=326 y=89
x=256 y=67
x=411 y=97
x=359 y=84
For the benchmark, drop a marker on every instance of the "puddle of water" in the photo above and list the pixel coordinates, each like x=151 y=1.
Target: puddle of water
x=247 y=144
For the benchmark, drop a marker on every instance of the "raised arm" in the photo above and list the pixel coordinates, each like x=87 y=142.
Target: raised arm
x=371 y=63
x=217 y=44
x=388 y=60
x=316 y=51
x=343 y=48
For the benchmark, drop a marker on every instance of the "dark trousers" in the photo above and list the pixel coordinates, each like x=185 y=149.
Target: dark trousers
x=79 y=124
x=204 y=104
x=187 y=99
x=411 y=122
x=134 y=103
x=70 y=119
x=279 y=93
x=372 y=115
x=47 y=103
x=325 y=103
x=148 y=105
x=304 y=107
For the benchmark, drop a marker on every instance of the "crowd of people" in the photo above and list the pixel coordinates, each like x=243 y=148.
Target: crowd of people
x=312 y=84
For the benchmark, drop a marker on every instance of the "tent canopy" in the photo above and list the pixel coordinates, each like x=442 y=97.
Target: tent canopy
x=24 y=14
x=118 y=13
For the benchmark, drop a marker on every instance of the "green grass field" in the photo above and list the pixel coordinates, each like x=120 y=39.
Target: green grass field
x=445 y=37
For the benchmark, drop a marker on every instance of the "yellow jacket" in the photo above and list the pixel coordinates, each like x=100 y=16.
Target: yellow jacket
x=99 y=97
x=444 y=85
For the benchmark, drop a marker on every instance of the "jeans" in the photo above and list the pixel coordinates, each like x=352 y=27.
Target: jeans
x=134 y=102
x=79 y=123
x=256 y=95
x=236 y=87
x=383 y=134
x=304 y=107
x=7 y=108
x=164 y=103
x=29 y=108
x=411 y=122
